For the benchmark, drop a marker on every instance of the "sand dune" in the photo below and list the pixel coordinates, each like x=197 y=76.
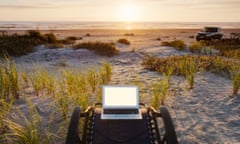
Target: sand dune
x=206 y=114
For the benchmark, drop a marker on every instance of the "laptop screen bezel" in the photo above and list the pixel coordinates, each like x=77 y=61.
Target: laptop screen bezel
x=120 y=107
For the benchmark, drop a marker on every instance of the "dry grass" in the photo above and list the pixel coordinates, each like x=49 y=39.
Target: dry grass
x=106 y=49
x=187 y=66
x=68 y=90
x=124 y=41
x=178 y=44
x=9 y=84
x=17 y=45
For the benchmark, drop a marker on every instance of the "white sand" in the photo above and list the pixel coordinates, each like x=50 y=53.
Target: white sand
x=206 y=114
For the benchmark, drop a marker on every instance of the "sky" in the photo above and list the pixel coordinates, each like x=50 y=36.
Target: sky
x=121 y=10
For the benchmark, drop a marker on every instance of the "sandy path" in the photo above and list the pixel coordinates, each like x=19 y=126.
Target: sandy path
x=207 y=114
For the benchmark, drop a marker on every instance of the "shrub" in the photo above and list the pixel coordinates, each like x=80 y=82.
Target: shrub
x=192 y=37
x=34 y=34
x=178 y=44
x=73 y=38
x=55 y=45
x=69 y=40
x=50 y=38
x=129 y=34
x=88 y=34
x=124 y=41
x=106 y=49
x=17 y=45
x=228 y=47
x=196 y=47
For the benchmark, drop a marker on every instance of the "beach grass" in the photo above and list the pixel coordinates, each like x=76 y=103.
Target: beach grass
x=25 y=129
x=196 y=47
x=187 y=66
x=159 y=92
x=17 y=45
x=69 y=89
x=9 y=84
x=102 y=48
x=177 y=44
x=124 y=41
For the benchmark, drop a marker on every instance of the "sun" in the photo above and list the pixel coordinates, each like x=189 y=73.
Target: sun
x=128 y=13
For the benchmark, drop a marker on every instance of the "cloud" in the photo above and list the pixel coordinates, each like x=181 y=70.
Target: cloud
x=29 y=6
x=195 y=3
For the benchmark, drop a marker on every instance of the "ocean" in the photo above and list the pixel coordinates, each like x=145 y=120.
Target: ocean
x=112 y=25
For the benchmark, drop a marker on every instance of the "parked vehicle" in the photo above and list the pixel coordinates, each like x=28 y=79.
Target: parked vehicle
x=209 y=33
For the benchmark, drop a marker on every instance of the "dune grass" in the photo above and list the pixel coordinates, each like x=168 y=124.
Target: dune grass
x=187 y=66
x=106 y=49
x=177 y=44
x=159 y=91
x=124 y=41
x=227 y=47
x=235 y=78
x=9 y=84
x=24 y=129
x=17 y=45
x=196 y=47
x=69 y=89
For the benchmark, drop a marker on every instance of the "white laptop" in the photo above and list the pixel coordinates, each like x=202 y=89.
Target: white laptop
x=120 y=102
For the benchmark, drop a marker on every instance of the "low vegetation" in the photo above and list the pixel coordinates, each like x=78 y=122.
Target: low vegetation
x=178 y=44
x=227 y=47
x=129 y=34
x=196 y=47
x=17 y=45
x=187 y=66
x=124 y=41
x=106 y=49
x=159 y=92
x=9 y=83
x=69 y=89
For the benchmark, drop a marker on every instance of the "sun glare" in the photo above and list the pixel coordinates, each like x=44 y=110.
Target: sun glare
x=128 y=13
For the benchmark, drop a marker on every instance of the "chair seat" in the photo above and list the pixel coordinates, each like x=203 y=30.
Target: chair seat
x=121 y=131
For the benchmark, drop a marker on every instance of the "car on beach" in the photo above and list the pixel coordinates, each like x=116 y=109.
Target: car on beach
x=209 y=33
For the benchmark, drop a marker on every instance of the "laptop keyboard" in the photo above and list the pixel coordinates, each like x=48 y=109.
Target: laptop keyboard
x=120 y=111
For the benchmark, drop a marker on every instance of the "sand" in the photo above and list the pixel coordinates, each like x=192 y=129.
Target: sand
x=206 y=114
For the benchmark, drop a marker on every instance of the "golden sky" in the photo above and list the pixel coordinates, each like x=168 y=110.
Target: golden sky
x=121 y=10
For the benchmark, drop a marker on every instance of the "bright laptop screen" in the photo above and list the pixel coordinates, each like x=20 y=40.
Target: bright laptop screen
x=120 y=97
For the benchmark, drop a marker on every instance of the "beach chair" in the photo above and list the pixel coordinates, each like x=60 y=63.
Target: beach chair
x=100 y=124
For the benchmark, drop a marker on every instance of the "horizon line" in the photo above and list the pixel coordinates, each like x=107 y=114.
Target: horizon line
x=120 y=21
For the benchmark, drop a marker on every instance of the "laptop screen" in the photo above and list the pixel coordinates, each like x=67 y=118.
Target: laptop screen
x=120 y=97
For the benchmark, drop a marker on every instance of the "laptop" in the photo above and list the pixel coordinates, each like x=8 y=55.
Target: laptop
x=120 y=102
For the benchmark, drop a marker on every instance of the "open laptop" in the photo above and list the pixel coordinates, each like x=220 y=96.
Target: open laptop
x=120 y=102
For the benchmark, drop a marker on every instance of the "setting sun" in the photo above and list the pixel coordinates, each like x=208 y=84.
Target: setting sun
x=128 y=13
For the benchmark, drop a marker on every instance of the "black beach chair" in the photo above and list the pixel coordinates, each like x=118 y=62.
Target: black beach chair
x=88 y=128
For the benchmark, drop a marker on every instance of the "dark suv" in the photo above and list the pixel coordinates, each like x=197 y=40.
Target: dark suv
x=209 y=33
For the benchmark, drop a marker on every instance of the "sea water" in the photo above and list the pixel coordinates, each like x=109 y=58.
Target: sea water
x=60 y=25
